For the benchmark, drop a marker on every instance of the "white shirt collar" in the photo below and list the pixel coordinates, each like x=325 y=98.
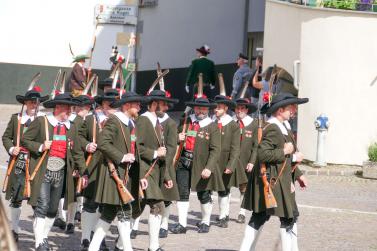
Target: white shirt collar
x=225 y=119
x=203 y=122
x=81 y=64
x=26 y=117
x=72 y=117
x=54 y=122
x=246 y=120
x=123 y=117
x=287 y=125
x=101 y=115
x=273 y=120
x=165 y=117
x=151 y=117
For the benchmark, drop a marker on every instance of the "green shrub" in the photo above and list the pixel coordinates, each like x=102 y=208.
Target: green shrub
x=372 y=152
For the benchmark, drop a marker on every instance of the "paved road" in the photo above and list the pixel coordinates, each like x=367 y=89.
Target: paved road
x=337 y=213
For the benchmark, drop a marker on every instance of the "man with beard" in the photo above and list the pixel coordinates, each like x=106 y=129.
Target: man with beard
x=17 y=126
x=276 y=153
x=197 y=164
x=152 y=150
x=248 y=143
x=54 y=145
x=118 y=146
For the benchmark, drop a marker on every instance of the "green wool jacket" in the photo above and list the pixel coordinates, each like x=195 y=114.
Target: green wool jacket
x=270 y=152
x=33 y=138
x=148 y=142
x=201 y=65
x=249 y=144
x=170 y=137
x=113 y=147
x=10 y=140
x=230 y=152
x=206 y=154
x=92 y=170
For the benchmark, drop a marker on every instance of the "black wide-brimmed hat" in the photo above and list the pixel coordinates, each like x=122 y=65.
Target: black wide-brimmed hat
x=61 y=99
x=108 y=82
x=282 y=100
x=32 y=94
x=201 y=102
x=156 y=95
x=205 y=50
x=246 y=102
x=83 y=100
x=221 y=99
x=109 y=95
x=128 y=97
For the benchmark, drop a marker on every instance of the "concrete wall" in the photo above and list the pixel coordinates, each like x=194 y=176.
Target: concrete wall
x=256 y=15
x=338 y=56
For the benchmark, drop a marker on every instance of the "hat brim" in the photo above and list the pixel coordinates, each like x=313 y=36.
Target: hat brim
x=202 y=51
x=53 y=103
x=283 y=103
x=21 y=99
x=166 y=99
x=193 y=104
x=228 y=103
x=120 y=102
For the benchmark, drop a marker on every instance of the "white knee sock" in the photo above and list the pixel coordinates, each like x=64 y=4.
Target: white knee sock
x=183 y=207
x=88 y=224
x=165 y=218
x=206 y=212
x=15 y=218
x=242 y=210
x=80 y=204
x=135 y=223
x=62 y=214
x=250 y=238
x=227 y=208
x=294 y=238
x=154 y=223
x=49 y=222
x=38 y=227
x=286 y=241
x=124 y=228
x=71 y=212
x=223 y=203
x=101 y=229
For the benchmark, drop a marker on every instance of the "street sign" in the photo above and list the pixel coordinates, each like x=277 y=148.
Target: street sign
x=116 y=14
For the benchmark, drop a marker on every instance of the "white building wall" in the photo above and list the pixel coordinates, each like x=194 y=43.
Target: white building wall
x=338 y=56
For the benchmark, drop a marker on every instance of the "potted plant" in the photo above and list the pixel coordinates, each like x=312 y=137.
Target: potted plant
x=370 y=166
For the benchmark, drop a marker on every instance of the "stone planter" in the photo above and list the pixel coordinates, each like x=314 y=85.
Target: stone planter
x=370 y=170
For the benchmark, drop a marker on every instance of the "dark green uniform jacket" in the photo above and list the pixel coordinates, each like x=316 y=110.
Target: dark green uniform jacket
x=270 y=151
x=230 y=152
x=170 y=137
x=113 y=147
x=249 y=144
x=201 y=65
x=16 y=184
x=206 y=153
x=148 y=141
x=34 y=138
x=92 y=170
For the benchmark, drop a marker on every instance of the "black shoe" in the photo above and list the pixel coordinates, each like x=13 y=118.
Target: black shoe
x=226 y=218
x=163 y=233
x=241 y=219
x=133 y=234
x=178 y=229
x=60 y=223
x=203 y=228
x=159 y=249
x=103 y=246
x=85 y=245
x=43 y=246
x=78 y=216
x=70 y=229
x=117 y=249
x=223 y=223
x=15 y=236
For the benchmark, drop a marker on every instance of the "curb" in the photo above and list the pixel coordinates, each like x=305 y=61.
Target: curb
x=346 y=173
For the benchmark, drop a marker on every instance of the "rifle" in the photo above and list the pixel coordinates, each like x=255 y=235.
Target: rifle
x=90 y=156
x=181 y=143
x=14 y=158
x=269 y=197
x=124 y=194
x=27 y=180
x=92 y=49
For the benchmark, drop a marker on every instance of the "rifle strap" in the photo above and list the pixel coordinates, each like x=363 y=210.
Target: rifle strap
x=18 y=130
x=44 y=153
x=125 y=141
